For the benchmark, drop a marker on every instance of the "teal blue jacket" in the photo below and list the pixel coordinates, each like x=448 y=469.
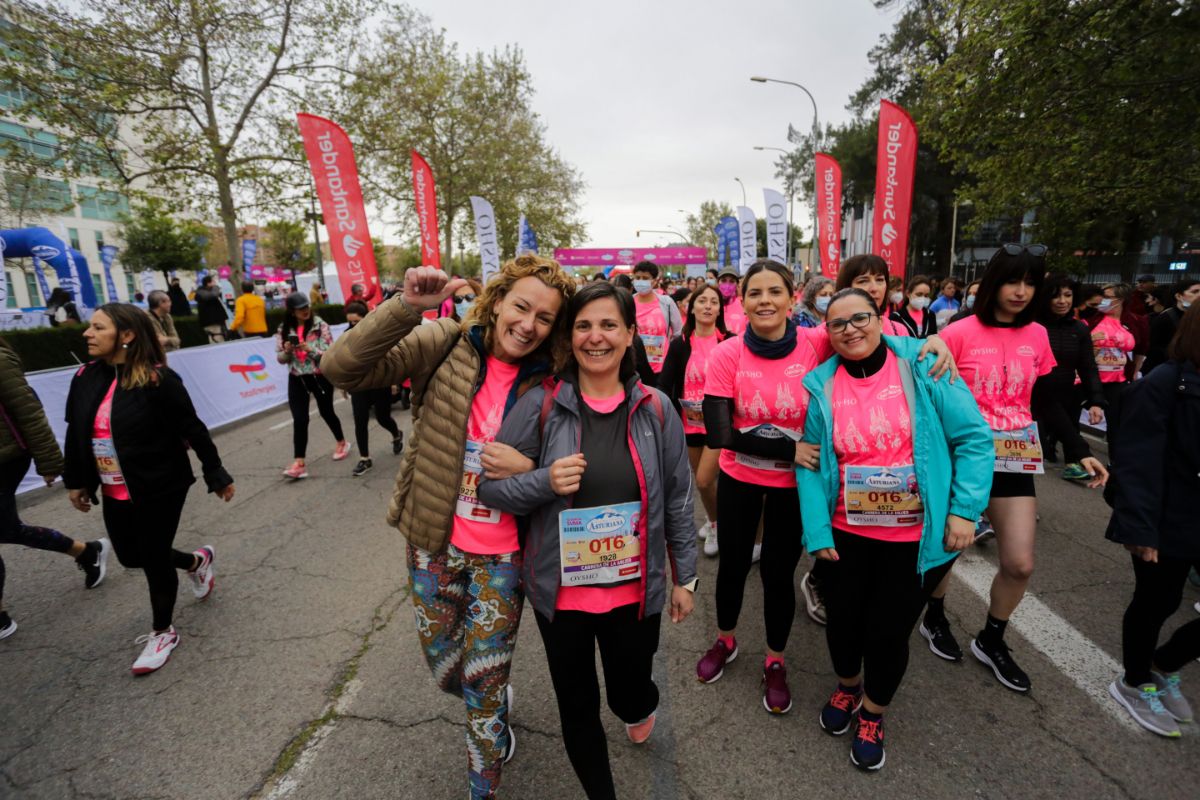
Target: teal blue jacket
x=952 y=448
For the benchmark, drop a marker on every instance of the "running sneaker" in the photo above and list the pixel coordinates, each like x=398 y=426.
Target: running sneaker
x=296 y=471
x=203 y=576
x=1075 y=472
x=1172 y=698
x=710 y=542
x=941 y=639
x=361 y=467
x=94 y=563
x=8 y=625
x=813 y=603
x=777 y=697
x=983 y=530
x=1144 y=703
x=757 y=553
x=511 y=749
x=866 y=751
x=398 y=444
x=639 y=732
x=998 y=657
x=704 y=532
x=839 y=712
x=341 y=451
x=711 y=665
x=156 y=652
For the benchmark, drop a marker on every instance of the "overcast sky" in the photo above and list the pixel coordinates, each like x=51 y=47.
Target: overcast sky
x=652 y=101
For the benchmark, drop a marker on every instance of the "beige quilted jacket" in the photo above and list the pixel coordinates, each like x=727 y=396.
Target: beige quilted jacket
x=387 y=347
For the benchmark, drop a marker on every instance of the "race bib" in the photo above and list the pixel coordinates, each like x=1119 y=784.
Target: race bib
x=468 y=505
x=693 y=411
x=1111 y=359
x=885 y=496
x=768 y=432
x=105 y=452
x=599 y=546
x=1019 y=451
x=656 y=348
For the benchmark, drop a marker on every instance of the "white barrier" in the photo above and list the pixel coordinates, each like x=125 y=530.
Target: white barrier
x=227 y=382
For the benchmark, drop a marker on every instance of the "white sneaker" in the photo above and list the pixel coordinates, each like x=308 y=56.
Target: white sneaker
x=757 y=554
x=705 y=531
x=204 y=576
x=511 y=750
x=156 y=652
x=710 y=541
x=7 y=628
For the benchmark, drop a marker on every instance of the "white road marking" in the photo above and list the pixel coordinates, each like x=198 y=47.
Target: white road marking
x=291 y=780
x=1075 y=655
x=288 y=421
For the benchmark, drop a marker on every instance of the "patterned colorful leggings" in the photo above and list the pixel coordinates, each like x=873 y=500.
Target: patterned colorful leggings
x=468 y=608
x=12 y=529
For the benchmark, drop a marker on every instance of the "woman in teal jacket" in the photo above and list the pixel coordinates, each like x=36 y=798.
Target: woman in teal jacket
x=905 y=469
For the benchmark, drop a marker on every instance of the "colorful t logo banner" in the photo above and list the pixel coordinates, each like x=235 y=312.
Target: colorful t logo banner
x=748 y=239
x=425 y=200
x=896 y=163
x=829 y=214
x=777 y=226
x=485 y=234
x=331 y=159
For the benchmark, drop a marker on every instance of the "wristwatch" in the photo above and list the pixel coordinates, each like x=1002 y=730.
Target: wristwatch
x=691 y=585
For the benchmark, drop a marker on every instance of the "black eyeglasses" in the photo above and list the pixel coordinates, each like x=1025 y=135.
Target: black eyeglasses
x=1035 y=250
x=859 y=321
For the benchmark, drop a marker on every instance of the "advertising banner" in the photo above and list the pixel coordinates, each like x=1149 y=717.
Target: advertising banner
x=486 y=235
x=107 y=254
x=74 y=281
x=40 y=273
x=425 y=201
x=249 y=251
x=526 y=238
x=747 y=239
x=732 y=241
x=894 y=171
x=628 y=256
x=719 y=230
x=331 y=159
x=829 y=213
x=777 y=225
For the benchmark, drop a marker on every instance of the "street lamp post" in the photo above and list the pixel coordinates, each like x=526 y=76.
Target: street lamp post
x=816 y=132
x=739 y=180
x=791 y=191
x=671 y=231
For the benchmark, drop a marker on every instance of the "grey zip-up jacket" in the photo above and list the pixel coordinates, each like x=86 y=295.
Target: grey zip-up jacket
x=659 y=452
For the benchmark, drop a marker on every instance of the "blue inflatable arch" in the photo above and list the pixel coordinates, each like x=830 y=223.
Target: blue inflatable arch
x=41 y=242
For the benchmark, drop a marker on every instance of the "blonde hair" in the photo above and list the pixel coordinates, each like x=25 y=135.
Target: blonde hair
x=557 y=347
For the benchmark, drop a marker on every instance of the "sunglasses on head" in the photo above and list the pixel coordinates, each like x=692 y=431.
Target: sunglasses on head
x=1035 y=250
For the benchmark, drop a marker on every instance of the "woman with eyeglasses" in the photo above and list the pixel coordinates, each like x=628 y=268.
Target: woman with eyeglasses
x=905 y=470
x=870 y=273
x=1001 y=352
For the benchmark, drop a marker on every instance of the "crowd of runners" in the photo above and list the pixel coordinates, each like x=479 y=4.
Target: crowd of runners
x=562 y=430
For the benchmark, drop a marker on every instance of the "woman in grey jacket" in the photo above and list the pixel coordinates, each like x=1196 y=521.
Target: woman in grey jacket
x=609 y=501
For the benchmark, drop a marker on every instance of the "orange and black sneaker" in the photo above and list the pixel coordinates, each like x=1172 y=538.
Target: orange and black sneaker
x=866 y=752
x=839 y=712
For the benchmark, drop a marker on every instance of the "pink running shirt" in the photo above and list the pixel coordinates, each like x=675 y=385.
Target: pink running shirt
x=477 y=528
x=112 y=480
x=766 y=392
x=693 y=381
x=1112 y=345
x=735 y=316
x=872 y=426
x=1000 y=366
x=652 y=327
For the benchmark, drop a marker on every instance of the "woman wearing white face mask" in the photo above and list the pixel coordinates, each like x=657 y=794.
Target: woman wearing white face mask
x=913 y=315
x=968 y=303
x=464 y=299
x=658 y=319
x=814 y=299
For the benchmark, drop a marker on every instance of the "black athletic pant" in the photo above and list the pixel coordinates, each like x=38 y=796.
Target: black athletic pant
x=12 y=530
x=299 y=388
x=142 y=535
x=738 y=506
x=872 y=601
x=1157 y=592
x=361 y=403
x=627 y=648
x=1112 y=397
x=1056 y=410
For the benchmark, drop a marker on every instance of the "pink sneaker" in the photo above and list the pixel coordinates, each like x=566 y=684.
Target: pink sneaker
x=296 y=471
x=341 y=451
x=711 y=666
x=639 y=732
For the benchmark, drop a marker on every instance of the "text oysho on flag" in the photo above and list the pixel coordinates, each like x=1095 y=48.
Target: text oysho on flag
x=733 y=242
x=335 y=173
x=486 y=235
x=894 y=173
x=829 y=213
x=425 y=202
x=777 y=225
x=526 y=238
x=747 y=238
x=107 y=254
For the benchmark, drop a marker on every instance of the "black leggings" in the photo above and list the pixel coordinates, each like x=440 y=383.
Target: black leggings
x=1157 y=592
x=12 y=530
x=627 y=648
x=1056 y=409
x=142 y=534
x=361 y=403
x=299 y=388
x=873 y=599
x=1113 y=393
x=738 y=511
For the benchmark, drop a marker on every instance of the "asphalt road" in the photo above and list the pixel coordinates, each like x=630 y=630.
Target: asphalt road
x=301 y=677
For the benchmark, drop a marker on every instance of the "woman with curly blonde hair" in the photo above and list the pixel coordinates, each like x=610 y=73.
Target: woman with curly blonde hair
x=463 y=557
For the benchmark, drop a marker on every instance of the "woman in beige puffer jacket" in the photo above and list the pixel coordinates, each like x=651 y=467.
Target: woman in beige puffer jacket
x=463 y=558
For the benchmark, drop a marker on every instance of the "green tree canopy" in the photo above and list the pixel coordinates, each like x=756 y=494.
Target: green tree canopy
x=155 y=240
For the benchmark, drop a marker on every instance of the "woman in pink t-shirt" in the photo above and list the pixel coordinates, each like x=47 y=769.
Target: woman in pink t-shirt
x=1113 y=343
x=682 y=379
x=1001 y=352
x=735 y=316
x=870 y=273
